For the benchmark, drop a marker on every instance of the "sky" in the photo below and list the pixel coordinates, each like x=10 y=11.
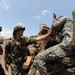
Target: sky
x=31 y=14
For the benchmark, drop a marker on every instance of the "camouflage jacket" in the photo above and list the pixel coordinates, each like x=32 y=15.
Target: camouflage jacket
x=64 y=26
x=16 y=50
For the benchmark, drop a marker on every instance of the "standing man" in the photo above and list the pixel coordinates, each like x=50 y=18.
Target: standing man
x=64 y=27
x=16 y=52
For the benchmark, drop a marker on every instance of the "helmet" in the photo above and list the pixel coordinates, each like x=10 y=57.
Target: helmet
x=58 y=25
x=18 y=28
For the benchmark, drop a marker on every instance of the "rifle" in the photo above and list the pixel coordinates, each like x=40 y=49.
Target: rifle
x=54 y=16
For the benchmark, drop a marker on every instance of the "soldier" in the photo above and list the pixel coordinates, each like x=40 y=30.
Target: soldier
x=64 y=27
x=16 y=52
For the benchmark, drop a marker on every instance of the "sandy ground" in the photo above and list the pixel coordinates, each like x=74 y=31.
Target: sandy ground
x=2 y=62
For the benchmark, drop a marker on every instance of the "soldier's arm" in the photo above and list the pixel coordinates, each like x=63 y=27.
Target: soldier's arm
x=7 y=48
x=42 y=36
x=31 y=41
x=67 y=35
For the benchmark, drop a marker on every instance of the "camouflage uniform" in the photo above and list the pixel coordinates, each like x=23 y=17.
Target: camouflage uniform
x=16 y=53
x=65 y=27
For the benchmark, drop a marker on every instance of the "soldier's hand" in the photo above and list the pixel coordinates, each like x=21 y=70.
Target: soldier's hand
x=6 y=66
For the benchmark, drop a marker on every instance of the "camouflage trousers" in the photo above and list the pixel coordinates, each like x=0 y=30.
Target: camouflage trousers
x=16 y=69
x=52 y=53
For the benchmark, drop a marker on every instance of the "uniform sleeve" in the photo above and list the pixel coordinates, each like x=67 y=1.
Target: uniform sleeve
x=7 y=46
x=7 y=53
x=67 y=34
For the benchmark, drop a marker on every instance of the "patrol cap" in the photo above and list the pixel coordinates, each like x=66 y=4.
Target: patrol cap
x=18 y=28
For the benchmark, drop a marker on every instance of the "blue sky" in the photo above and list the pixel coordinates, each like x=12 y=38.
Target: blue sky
x=31 y=13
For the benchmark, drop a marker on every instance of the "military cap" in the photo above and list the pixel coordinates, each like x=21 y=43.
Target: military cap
x=18 y=28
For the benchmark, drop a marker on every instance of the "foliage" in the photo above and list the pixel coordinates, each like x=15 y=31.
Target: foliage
x=33 y=36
